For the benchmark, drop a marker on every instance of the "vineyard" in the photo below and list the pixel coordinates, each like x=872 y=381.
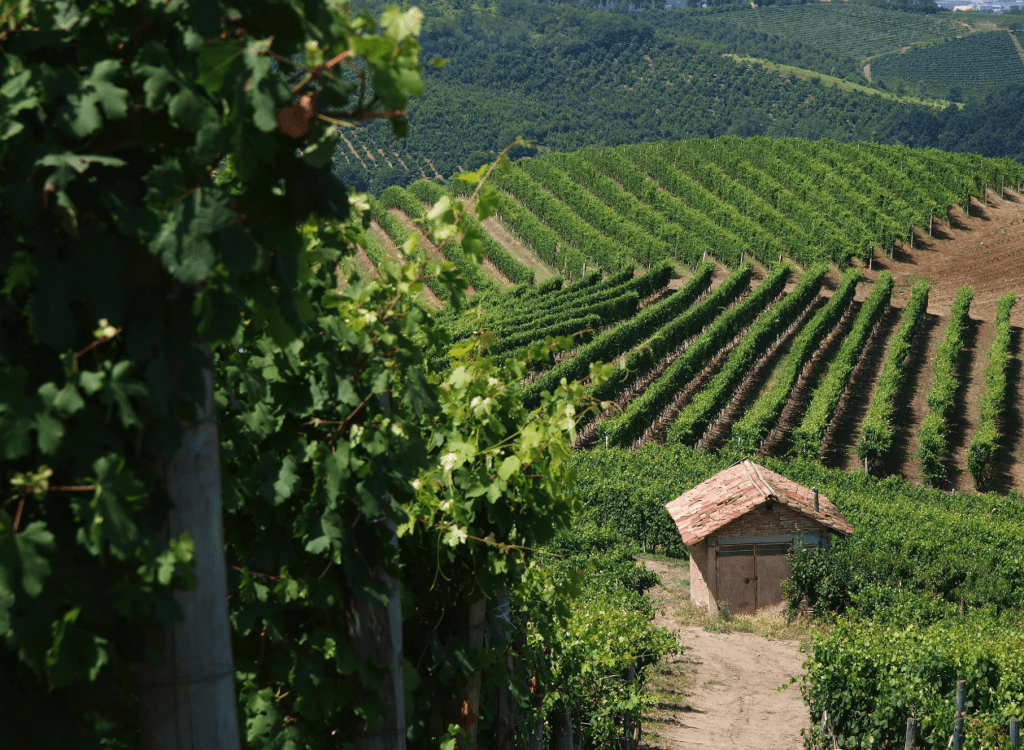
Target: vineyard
x=847 y=29
x=970 y=64
x=759 y=345
x=286 y=464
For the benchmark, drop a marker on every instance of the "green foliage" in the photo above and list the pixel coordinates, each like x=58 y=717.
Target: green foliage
x=155 y=164
x=933 y=448
x=972 y=64
x=607 y=631
x=877 y=428
x=697 y=417
x=988 y=440
x=870 y=676
x=808 y=437
x=750 y=431
x=641 y=412
x=612 y=343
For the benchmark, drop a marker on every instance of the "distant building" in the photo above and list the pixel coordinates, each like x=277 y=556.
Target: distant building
x=964 y=7
x=739 y=525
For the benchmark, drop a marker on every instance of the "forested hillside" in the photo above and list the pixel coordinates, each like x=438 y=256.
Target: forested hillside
x=939 y=55
x=570 y=77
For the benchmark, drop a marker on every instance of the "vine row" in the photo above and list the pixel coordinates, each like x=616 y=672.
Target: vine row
x=988 y=440
x=810 y=435
x=758 y=421
x=878 y=427
x=695 y=418
x=933 y=449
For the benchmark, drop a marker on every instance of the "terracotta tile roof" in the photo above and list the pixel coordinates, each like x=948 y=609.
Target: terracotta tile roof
x=739 y=489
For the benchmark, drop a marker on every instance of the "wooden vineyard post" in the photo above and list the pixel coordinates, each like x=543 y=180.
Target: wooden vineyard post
x=187 y=699
x=865 y=464
x=561 y=730
x=958 y=726
x=1015 y=733
x=911 y=741
x=930 y=219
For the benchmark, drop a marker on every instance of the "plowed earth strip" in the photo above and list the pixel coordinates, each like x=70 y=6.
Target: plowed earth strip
x=984 y=249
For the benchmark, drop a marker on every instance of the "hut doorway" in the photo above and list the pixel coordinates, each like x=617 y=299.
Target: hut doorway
x=750 y=575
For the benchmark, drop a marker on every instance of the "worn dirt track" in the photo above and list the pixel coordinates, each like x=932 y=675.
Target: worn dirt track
x=731 y=697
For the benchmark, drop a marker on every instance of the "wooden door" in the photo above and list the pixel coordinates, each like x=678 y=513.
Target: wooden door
x=772 y=569
x=737 y=580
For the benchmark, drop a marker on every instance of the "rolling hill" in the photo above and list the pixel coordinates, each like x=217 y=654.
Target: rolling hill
x=711 y=272
x=569 y=77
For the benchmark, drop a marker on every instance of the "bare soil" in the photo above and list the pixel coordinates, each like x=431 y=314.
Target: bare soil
x=723 y=689
x=985 y=250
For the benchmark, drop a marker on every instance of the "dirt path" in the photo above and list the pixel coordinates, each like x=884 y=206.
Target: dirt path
x=965 y=422
x=365 y=266
x=839 y=449
x=722 y=691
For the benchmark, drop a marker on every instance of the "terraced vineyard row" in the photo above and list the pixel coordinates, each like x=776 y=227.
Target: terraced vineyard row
x=721 y=358
x=728 y=199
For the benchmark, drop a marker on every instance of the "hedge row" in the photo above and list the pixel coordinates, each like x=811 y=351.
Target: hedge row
x=988 y=440
x=759 y=420
x=808 y=437
x=934 y=445
x=611 y=344
x=700 y=412
x=878 y=428
x=642 y=411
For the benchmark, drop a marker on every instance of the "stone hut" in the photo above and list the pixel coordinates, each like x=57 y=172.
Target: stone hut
x=739 y=526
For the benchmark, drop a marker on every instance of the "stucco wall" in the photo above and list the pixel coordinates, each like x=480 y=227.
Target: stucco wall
x=699 y=573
